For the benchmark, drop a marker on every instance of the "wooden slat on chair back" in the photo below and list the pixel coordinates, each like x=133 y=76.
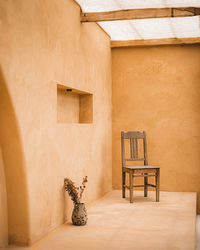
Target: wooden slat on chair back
x=133 y=137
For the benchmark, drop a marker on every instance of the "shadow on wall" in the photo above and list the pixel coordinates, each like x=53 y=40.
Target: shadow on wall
x=3 y=206
x=16 y=185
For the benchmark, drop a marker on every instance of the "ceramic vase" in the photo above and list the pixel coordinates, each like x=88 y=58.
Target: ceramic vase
x=79 y=214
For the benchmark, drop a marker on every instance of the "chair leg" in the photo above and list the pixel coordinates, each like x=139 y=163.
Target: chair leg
x=157 y=185
x=123 y=184
x=145 y=186
x=131 y=187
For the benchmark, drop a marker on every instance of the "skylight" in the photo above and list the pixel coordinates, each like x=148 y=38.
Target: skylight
x=150 y=28
x=111 y=5
x=155 y=28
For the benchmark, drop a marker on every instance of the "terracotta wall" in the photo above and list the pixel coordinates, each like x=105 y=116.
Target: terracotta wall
x=43 y=43
x=3 y=206
x=157 y=89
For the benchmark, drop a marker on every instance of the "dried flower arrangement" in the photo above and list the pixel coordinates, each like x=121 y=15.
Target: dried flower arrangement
x=73 y=191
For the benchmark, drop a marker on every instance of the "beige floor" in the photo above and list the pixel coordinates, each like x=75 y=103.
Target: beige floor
x=115 y=224
x=198 y=233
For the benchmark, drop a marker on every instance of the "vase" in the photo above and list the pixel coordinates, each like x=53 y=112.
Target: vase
x=79 y=214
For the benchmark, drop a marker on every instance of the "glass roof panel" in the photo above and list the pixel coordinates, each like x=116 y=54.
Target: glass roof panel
x=151 y=28
x=155 y=28
x=111 y=5
x=186 y=26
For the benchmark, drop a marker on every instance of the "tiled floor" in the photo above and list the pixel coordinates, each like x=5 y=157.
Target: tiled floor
x=115 y=224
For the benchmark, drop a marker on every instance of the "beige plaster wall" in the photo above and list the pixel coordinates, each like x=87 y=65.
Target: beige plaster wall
x=67 y=107
x=14 y=169
x=3 y=206
x=157 y=89
x=43 y=43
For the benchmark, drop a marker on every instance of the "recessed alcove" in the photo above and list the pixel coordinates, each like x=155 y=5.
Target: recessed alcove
x=73 y=105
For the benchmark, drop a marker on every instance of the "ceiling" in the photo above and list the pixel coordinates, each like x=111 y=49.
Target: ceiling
x=150 y=28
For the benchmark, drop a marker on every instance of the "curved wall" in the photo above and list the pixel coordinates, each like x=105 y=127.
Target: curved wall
x=3 y=206
x=43 y=43
x=14 y=168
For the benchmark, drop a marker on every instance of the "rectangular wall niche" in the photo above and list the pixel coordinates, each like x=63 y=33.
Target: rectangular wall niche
x=73 y=105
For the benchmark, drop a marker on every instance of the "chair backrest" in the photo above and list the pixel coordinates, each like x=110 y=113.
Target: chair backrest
x=133 y=137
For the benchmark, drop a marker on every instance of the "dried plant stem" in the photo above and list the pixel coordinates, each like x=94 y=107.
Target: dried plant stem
x=75 y=192
x=83 y=187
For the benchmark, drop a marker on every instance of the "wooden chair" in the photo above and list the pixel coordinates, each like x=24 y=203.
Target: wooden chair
x=145 y=171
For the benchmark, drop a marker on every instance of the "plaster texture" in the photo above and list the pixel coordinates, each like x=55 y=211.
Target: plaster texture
x=198 y=233
x=115 y=224
x=157 y=89
x=43 y=43
x=3 y=206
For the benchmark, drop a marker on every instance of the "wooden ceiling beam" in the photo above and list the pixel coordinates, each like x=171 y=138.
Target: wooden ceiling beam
x=154 y=42
x=139 y=14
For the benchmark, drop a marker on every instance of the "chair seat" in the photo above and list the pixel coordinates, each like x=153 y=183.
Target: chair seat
x=141 y=167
